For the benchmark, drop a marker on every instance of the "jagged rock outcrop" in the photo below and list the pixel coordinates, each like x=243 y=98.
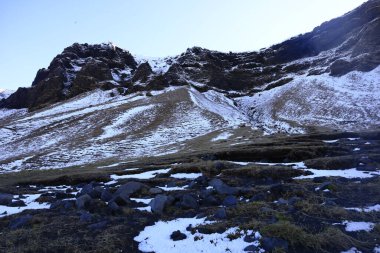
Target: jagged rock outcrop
x=341 y=45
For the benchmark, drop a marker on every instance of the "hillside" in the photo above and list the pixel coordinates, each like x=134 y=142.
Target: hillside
x=268 y=151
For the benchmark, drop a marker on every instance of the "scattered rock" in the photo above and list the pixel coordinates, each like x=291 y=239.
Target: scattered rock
x=17 y=203
x=249 y=238
x=106 y=195
x=223 y=188
x=251 y=248
x=155 y=190
x=122 y=198
x=63 y=195
x=189 y=202
x=5 y=199
x=83 y=201
x=158 y=203
x=230 y=201
x=129 y=188
x=177 y=236
x=113 y=206
x=86 y=189
x=323 y=186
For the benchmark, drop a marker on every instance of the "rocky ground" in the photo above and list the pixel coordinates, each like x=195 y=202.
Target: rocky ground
x=303 y=193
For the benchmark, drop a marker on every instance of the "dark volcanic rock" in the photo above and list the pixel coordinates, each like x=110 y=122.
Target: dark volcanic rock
x=130 y=188
x=158 y=203
x=5 y=198
x=177 y=236
x=230 y=201
x=189 y=201
x=83 y=201
x=223 y=188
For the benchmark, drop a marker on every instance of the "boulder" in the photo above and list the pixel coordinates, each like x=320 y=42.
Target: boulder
x=113 y=206
x=106 y=195
x=5 y=199
x=177 y=236
x=83 y=201
x=223 y=188
x=86 y=189
x=158 y=203
x=323 y=186
x=251 y=248
x=130 y=188
x=189 y=202
x=122 y=198
x=155 y=190
x=230 y=200
x=17 y=203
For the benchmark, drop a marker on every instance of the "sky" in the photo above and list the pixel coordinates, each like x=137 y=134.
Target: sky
x=32 y=33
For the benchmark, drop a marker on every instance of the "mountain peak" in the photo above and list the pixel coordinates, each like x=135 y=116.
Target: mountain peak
x=338 y=46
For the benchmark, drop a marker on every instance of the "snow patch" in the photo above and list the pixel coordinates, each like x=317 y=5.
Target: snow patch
x=156 y=238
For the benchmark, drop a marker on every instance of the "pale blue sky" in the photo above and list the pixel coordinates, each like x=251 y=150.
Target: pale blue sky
x=32 y=32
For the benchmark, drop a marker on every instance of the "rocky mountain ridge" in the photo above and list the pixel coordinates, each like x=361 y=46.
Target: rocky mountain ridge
x=337 y=47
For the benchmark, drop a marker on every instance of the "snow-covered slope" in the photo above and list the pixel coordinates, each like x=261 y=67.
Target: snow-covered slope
x=99 y=125
x=5 y=93
x=349 y=102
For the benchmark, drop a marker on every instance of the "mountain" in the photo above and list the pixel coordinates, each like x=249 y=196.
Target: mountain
x=268 y=151
x=96 y=102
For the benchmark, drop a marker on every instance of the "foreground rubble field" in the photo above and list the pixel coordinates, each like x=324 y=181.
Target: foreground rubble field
x=304 y=193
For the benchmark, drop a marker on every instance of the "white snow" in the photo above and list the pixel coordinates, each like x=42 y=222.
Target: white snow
x=222 y=136
x=217 y=103
x=30 y=201
x=352 y=226
x=145 y=208
x=330 y=141
x=239 y=163
x=348 y=102
x=368 y=209
x=352 y=250
x=173 y=188
x=5 y=93
x=356 y=149
x=295 y=165
x=156 y=238
x=143 y=175
x=186 y=175
x=140 y=200
x=116 y=127
x=348 y=173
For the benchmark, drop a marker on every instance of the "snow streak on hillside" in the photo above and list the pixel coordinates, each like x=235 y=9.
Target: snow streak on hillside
x=99 y=125
x=350 y=102
x=102 y=124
